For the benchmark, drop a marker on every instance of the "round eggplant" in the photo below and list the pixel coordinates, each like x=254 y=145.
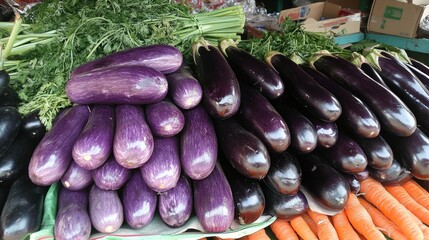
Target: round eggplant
x=8 y=97
x=32 y=125
x=105 y=210
x=111 y=175
x=284 y=176
x=164 y=118
x=76 y=178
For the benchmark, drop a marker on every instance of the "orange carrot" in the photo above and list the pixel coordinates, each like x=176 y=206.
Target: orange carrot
x=375 y=193
x=310 y=222
x=382 y=222
x=259 y=235
x=302 y=229
x=344 y=229
x=424 y=228
x=417 y=192
x=283 y=231
x=325 y=229
x=361 y=220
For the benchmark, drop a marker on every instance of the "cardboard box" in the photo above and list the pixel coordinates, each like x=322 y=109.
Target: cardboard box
x=396 y=17
x=323 y=17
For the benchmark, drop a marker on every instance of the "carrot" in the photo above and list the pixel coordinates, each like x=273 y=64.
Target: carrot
x=283 y=231
x=302 y=229
x=382 y=222
x=417 y=192
x=325 y=229
x=375 y=193
x=310 y=222
x=344 y=229
x=258 y=235
x=424 y=228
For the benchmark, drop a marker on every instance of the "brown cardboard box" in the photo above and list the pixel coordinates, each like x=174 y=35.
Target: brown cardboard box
x=396 y=17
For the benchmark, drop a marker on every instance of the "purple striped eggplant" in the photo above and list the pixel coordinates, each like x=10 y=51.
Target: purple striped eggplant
x=110 y=175
x=284 y=176
x=164 y=118
x=133 y=140
x=377 y=151
x=184 y=89
x=76 y=178
x=105 y=210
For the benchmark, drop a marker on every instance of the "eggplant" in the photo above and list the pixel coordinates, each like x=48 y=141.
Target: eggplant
x=76 y=178
x=23 y=211
x=356 y=116
x=423 y=77
x=396 y=174
x=162 y=57
x=353 y=182
x=10 y=123
x=302 y=132
x=261 y=118
x=72 y=220
x=362 y=175
x=319 y=101
x=183 y=88
x=9 y=97
x=284 y=176
x=175 y=205
x=284 y=206
x=198 y=154
x=111 y=175
x=162 y=171
x=257 y=73
x=377 y=151
x=53 y=154
x=213 y=201
x=391 y=111
x=346 y=155
x=4 y=191
x=323 y=182
x=372 y=73
x=420 y=65
x=412 y=152
x=244 y=151
x=221 y=91
x=327 y=132
x=133 y=140
x=32 y=125
x=105 y=210
x=164 y=119
x=94 y=144
x=139 y=202
x=132 y=85
x=4 y=80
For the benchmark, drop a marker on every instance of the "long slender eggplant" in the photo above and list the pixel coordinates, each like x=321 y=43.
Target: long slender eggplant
x=327 y=132
x=284 y=176
x=244 y=151
x=419 y=65
x=221 y=91
x=257 y=73
x=394 y=175
x=354 y=183
x=10 y=123
x=423 y=77
x=4 y=80
x=319 y=101
x=390 y=110
x=377 y=151
x=372 y=73
x=4 y=191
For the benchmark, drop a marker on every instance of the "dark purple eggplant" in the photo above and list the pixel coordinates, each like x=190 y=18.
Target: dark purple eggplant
x=4 y=80
x=94 y=144
x=111 y=175
x=10 y=124
x=9 y=97
x=419 y=65
x=162 y=57
x=133 y=141
x=175 y=205
x=213 y=201
x=362 y=175
x=76 y=178
x=284 y=176
x=4 y=191
x=164 y=119
x=32 y=125
x=302 y=132
x=257 y=73
x=162 y=171
x=23 y=211
x=323 y=182
x=346 y=155
x=377 y=151
x=284 y=206
x=184 y=89
x=105 y=210
x=118 y=85
x=356 y=116
x=372 y=73
x=198 y=144
x=221 y=91
x=53 y=154
x=423 y=77
x=391 y=111
x=327 y=132
x=261 y=118
x=139 y=202
x=354 y=183
x=319 y=101
x=412 y=152
x=394 y=175
x=244 y=151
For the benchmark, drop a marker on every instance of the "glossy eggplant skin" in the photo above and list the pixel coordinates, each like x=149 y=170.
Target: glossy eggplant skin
x=23 y=211
x=198 y=154
x=261 y=118
x=4 y=191
x=318 y=100
x=394 y=175
x=244 y=151
x=257 y=73
x=4 y=80
x=354 y=183
x=164 y=118
x=221 y=91
x=362 y=175
x=10 y=123
x=371 y=72
x=284 y=176
x=8 y=97
x=423 y=77
x=111 y=175
x=53 y=154
x=377 y=151
x=76 y=178
x=323 y=182
x=32 y=125
x=391 y=111
x=419 y=65
x=327 y=132
x=356 y=116
x=105 y=210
